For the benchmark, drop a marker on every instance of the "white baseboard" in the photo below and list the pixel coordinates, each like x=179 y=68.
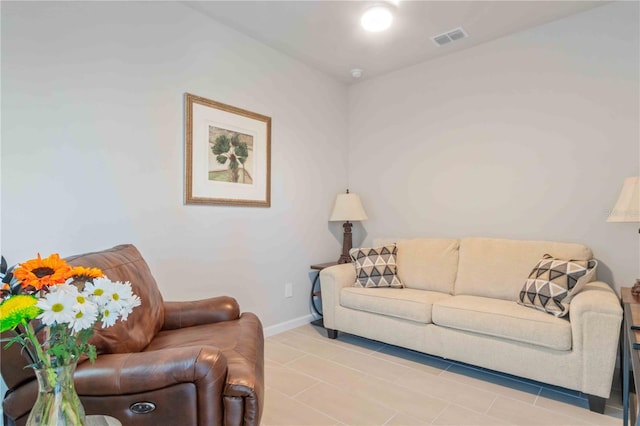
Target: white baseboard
x=287 y=325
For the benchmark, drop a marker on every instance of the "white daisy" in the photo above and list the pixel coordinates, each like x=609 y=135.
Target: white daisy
x=109 y=315
x=119 y=293
x=99 y=291
x=83 y=304
x=67 y=288
x=57 y=307
x=123 y=296
x=127 y=308
x=84 y=319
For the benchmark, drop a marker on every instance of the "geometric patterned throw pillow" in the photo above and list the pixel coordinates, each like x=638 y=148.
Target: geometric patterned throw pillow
x=553 y=283
x=376 y=267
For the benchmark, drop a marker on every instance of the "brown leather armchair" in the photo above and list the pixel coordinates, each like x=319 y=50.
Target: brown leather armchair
x=185 y=363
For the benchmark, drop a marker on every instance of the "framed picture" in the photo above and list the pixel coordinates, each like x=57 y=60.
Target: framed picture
x=228 y=154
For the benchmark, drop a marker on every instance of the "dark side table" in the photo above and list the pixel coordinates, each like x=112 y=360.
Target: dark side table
x=630 y=352
x=316 y=293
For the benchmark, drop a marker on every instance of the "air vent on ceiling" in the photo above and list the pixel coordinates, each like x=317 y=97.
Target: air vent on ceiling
x=449 y=36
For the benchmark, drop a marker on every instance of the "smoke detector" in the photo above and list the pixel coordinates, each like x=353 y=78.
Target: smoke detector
x=356 y=73
x=449 y=36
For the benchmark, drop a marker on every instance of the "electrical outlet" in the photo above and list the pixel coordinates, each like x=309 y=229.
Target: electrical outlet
x=288 y=290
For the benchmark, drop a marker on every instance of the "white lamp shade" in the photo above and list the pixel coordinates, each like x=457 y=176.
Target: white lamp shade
x=627 y=209
x=347 y=208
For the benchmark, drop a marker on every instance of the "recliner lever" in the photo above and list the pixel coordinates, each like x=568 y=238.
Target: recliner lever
x=142 y=407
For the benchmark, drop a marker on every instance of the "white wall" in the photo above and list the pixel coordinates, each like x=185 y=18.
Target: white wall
x=92 y=148
x=529 y=136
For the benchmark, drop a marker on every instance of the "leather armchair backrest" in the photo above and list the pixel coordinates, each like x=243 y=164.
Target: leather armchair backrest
x=125 y=263
x=14 y=363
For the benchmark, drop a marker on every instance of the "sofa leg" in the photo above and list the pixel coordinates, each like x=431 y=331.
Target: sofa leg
x=596 y=404
x=332 y=334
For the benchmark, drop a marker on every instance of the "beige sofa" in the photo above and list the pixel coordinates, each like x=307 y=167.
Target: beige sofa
x=459 y=303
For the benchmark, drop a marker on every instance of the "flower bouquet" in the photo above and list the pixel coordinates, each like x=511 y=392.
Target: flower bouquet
x=52 y=309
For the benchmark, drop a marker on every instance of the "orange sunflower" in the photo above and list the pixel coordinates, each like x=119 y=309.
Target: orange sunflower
x=39 y=273
x=81 y=275
x=85 y=274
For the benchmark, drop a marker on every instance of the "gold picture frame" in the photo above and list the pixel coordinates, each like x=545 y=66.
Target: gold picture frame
x=227 y=154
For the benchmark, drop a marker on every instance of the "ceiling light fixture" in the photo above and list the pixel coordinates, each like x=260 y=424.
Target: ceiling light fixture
x=356 y=73
x=377 y=18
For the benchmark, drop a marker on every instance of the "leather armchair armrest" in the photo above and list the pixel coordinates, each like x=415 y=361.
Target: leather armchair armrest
x=206 y=311
x=118 y=374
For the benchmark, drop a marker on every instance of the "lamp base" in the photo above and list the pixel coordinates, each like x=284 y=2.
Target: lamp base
x=347 y=243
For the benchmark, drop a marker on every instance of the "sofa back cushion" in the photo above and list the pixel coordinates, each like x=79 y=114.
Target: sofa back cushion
x=426 y=263
x=499 y=268
x=125 y=263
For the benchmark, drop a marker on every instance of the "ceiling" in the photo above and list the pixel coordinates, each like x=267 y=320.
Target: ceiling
x=326 y=35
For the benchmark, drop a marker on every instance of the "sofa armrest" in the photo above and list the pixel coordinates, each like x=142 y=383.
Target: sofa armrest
x=206 y=311
x=332 y=280
x=597 y=296
x=595 y=314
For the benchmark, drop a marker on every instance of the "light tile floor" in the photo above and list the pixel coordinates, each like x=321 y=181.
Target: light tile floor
x=312 y=380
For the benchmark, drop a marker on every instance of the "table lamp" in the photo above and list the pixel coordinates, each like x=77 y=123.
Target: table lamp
x=347 y=208
x=627 y=208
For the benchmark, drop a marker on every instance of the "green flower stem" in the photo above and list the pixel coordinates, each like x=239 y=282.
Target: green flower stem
x=57 y=402
x=49 y=414
x=72 y=412
x=41 y=355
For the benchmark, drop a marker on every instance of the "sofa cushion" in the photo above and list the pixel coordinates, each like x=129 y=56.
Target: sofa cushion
x=504 y=319
x=376 y=267
x=406 y=303
x=427 y=263
x=554 y=282
x=496 y=268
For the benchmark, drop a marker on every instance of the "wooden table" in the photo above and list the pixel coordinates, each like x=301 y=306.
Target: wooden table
x=316 y=294
x=95 y=420
x=630 y=352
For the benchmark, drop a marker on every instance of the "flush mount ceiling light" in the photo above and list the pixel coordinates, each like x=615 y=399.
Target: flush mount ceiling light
x=377 y=18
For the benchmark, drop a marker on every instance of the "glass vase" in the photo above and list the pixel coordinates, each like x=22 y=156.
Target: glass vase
x=58 y=403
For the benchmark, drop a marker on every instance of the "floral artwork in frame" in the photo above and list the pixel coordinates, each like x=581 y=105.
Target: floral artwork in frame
x=228 y=154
